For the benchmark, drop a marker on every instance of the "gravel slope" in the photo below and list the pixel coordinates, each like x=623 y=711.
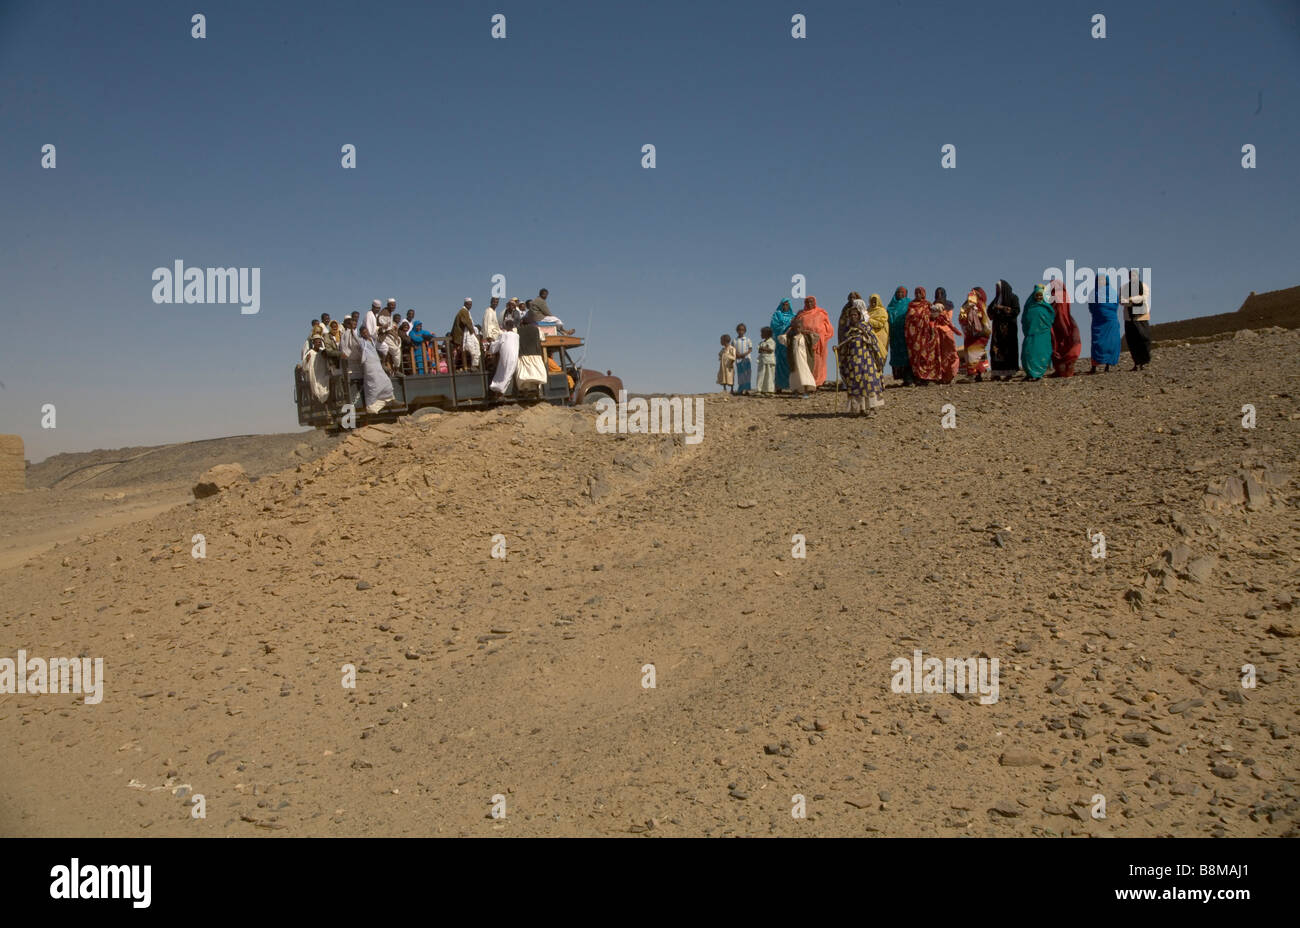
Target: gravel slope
x=522 y=677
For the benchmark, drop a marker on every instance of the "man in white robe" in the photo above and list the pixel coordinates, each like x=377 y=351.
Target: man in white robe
x=379 y=389
x=371 y=321
x=316 y=370
x=507 y=360
x=491 y=328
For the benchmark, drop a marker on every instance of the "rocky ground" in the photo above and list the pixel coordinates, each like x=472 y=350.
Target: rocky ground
x=522 y=677
x=70 y=495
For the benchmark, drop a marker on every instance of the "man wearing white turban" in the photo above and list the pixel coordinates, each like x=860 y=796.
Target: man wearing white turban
x=371 y=322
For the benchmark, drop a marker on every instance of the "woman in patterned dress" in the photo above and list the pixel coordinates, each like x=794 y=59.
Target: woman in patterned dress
x=861 y=360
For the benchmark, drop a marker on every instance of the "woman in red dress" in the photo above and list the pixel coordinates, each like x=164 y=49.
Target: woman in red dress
x=1066 y=343
x=812 y=318
x=931 y=340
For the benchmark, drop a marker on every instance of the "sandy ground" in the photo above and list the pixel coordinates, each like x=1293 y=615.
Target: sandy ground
x=522 y=677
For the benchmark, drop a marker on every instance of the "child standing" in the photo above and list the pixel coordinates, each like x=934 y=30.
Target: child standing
x=744 y=363
x=726 y=364
x=766 y=362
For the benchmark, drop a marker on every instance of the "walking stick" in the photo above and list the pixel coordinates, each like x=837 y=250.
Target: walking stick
x=837 y=379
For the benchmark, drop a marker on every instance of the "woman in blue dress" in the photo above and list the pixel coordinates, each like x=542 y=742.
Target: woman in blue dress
x=1104 y=309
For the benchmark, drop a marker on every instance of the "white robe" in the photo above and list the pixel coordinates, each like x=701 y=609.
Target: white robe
x=801 y=376
x=470 y=343
x=350 y=348
x=491 y=328
x=531 y=374
x=316 y=369
x=1137 y=305
x=391 y=347
x=379 y=389
x=507 y=361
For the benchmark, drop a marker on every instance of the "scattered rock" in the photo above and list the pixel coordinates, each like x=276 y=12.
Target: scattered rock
x=1019 y=757
x=1006 y=808
x=1201 y=569
x=219 y=479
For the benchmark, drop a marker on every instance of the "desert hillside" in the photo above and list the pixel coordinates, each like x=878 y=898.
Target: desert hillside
x=521 y=677
x=75 y=493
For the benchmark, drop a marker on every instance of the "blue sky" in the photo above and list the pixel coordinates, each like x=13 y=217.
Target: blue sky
x=522 y=156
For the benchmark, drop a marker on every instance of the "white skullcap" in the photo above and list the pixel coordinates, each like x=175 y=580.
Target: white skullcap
x=374 y=304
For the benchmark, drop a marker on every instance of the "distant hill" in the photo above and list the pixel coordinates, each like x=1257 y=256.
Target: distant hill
x=1259 y=311
x=177 y=463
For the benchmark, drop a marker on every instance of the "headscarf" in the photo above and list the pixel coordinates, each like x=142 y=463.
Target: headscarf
x=878 y=318
x=1101 y=286
x=973 y=316
x=1005 y=296
x=782 y=318
x=845 y=321
x=858 y=311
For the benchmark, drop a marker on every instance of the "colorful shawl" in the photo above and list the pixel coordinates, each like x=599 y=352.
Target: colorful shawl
x=977 y=328
x=931 y=340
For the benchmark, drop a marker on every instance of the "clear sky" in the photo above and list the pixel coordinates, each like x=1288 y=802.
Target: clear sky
x=522 y=157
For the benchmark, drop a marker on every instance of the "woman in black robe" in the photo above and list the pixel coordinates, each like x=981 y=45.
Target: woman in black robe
x=1004 y=347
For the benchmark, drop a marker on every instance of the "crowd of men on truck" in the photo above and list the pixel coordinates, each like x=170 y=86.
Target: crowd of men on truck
x=382 y=343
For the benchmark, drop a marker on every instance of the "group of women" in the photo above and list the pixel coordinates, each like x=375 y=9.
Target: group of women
x=920 y=339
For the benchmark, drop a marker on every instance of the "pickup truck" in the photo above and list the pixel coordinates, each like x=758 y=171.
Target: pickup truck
x=448 y=389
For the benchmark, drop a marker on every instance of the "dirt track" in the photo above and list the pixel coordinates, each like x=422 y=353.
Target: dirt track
x=523 y=677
